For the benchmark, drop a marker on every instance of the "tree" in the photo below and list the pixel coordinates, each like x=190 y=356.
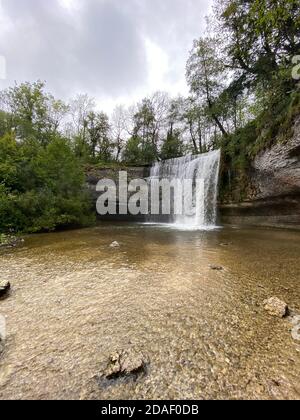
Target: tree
x=79 y=108
x=9 y=162
x=98 y=129
x=132 y=153
x=206 y=76
x=260 y=36
x=41 y=188
x=31 y=112
x=172 y=147
x=119 y=129
x=145 y=123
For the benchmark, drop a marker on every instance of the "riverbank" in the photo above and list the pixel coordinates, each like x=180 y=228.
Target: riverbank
x=9 y=241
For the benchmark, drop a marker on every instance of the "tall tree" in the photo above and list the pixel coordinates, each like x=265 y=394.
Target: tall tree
x=206 y=76
x=260 y=35
x=98 y=129
x=32 y=111
x=119 y=129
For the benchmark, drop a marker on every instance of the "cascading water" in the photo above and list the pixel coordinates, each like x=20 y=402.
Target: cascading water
x=200 y=201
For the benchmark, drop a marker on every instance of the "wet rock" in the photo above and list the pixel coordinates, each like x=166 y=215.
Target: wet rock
x=276 y=307
x=224 y=244
x=115 y=245
x=126 y=364
x=216 y=267
x=296 y=327
x=4 y=288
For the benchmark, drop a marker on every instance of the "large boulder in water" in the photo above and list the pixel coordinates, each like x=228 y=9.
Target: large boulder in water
x=276 y=307
x=4 y=288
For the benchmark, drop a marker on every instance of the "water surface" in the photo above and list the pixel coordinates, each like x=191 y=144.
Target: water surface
x=75 y=300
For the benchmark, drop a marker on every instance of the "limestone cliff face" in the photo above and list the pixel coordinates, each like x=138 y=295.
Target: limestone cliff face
x=274 y=196
x=94 y=175
x=277 y=170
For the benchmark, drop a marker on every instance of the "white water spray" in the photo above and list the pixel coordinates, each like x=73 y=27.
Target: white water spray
x=200 y=208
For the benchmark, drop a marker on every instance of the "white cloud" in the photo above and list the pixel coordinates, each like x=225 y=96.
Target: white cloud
x=115 y=50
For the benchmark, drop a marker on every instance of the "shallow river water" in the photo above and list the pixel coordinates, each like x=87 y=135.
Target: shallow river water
x=75 y=300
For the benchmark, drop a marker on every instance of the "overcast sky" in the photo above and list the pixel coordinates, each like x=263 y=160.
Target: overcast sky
x=117 y=51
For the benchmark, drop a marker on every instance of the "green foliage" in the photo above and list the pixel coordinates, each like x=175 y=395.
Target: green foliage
x=41 y=189
x=98 y=129
x=138 y=152
x=172 y=146
x=242 y=99
x=33 y=113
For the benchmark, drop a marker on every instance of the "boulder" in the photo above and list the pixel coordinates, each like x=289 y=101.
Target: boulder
x=276 y=307
x=4 y=288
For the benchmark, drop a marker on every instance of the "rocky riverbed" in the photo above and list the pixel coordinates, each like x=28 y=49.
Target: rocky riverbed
x=166 y=314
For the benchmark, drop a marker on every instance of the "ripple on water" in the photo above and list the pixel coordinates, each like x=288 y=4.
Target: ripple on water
x=75 y=300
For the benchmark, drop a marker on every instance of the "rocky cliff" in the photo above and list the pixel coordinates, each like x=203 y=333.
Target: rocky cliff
x=94 y=175
x=273 y=197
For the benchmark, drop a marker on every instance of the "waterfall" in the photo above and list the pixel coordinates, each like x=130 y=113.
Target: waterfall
x=200 y=201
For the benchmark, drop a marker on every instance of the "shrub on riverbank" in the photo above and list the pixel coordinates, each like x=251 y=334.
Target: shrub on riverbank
x=41 y=188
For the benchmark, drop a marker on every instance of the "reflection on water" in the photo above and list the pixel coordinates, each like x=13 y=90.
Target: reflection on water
x=75 y=300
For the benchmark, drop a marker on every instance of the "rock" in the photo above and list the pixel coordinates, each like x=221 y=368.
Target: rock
x=276 y=171
x=4 y=288
x=9 y=241
x=296 y=327
x=127 y=364
x=216 y=267
x=276 y=307
x=2 y=333
x=115 y=245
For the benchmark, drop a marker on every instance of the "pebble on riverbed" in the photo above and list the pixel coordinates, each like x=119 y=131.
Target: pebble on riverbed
x=115 y=245
x=4 y=288
x=276 y=307
x=216 y=267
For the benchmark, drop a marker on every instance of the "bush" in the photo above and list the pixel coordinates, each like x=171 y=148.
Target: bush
x=52 y=195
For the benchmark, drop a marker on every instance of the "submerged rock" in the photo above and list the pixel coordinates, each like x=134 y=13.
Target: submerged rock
x=126 y=364
x=276 y=307
x=115 y=245
x=216 y=267
x=1 y=345
x=296 y=327
x=4 y=288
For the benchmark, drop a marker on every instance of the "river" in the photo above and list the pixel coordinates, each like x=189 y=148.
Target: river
x=75 y=300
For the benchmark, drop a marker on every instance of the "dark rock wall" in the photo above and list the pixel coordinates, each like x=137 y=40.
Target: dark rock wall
x=274 y=196
x=94 y=175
